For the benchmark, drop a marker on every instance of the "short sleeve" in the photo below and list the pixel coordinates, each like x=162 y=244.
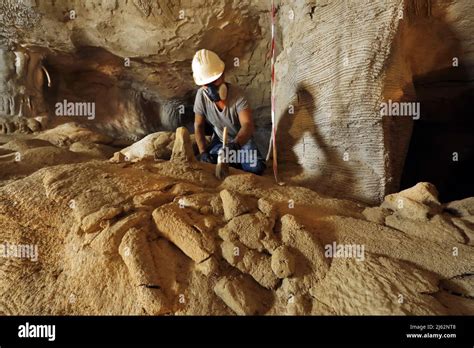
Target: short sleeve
x=199 y=107
x=241 y=103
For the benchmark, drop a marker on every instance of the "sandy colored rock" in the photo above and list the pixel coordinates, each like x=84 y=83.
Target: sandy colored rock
x=182 y=148
x=249 y=261
x=95 y=221
x=152 y=146
x=152 y=199
x=255 y=231
x=68 y=133
x=234 y=204
x=407 y=207
x=437 y=228
x=376 y=214
x=136 y=254
x=465 y=227
x=462 y=285
x=92 y=149
x=283 y=262
x=376 y=276
x=108 y=240
x=173 y=225
x=423 y=192
x=462 y=207
x=22 y=145
x=243 y=295
x=310 y=263
x=208 y=267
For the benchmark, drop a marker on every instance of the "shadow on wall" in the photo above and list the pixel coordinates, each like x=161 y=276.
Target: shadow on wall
x=298 y=129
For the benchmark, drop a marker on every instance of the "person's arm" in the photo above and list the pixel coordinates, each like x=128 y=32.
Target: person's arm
x=247 y=127
x=199 y=132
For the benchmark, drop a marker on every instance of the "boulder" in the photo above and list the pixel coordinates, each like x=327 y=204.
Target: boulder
x=252 y=262
x=243 y=295
x=283 y=262
x=183 y=147
x=173 y=224
x=234 y=204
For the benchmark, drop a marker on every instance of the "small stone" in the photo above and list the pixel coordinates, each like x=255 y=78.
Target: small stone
x=208 y=267
x=233 y=204
x=243 y=295
x=252 y=262
x=173 y=224
x=183 y=147
x=283 y=262
x=376 y=214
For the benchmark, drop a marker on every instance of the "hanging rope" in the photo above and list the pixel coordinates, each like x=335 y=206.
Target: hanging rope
x=273 y=138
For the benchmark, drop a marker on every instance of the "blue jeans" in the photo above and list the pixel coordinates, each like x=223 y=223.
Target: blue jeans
x=248 y=151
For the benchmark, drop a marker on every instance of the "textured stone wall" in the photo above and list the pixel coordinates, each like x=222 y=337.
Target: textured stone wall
x=338 y=61
x=133 y=58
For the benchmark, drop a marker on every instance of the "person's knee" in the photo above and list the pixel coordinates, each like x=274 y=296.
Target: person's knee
x=255 y=168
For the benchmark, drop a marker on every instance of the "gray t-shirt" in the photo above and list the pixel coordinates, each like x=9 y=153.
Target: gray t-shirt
x=229 y=117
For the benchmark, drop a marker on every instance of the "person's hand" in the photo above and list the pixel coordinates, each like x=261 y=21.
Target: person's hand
x=207 y=157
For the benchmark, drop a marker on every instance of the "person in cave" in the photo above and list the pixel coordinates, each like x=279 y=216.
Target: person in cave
x=222 y=104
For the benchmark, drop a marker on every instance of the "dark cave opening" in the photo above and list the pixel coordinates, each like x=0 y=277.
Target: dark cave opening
x=441 y=149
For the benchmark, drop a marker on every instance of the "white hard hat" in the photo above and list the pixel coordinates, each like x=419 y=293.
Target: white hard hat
x=207 y=67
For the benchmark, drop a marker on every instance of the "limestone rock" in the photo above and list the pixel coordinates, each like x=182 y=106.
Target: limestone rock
x=173 y=225
x=208 y=267
x=68 y=133
x=22 y=145
x=376 y=214
x=255 y=231
x=466 y=227
x=92 y=149
x=94 y=221
x=310 y=263
x=182 y=148
x=234 y=204
x=423 y=192
x=243 y=295
x=463 y=207
x=249 y=261
x=152 y=199
x=136 y=254
x=437 y=228
x=153 y=146
x=283 y=262
x=407 y=207
x=463 y=285
x=376 y=276
x=108 y=240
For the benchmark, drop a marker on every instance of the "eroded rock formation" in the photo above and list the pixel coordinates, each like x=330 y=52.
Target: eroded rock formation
x=153 y=236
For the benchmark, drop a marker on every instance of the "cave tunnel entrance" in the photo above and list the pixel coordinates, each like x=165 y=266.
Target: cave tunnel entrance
x=441 y=149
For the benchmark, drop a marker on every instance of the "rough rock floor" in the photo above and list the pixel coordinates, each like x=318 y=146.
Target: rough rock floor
x=143 y=235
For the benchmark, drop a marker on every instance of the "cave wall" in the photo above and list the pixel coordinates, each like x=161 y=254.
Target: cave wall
x=331 y=71
x=338 y=62
x=133 y=58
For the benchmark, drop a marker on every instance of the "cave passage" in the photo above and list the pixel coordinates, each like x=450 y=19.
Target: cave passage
x=441 y=149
